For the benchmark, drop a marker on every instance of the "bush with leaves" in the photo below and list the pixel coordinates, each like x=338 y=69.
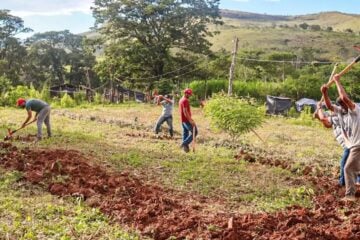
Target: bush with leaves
x=66 y=101
x=235 y=116
x=80 y=98
x=15 y=93
x=45 y=93
x=98 y=98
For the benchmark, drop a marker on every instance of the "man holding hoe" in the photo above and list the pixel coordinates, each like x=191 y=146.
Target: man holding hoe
x=188 y=124
x=42 y=110
x=350 y=123
x=166 y=116
x=332 y=121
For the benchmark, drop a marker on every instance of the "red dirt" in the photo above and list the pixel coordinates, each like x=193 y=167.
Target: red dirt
x=161 y=213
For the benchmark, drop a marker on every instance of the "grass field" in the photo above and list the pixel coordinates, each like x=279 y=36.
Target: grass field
x=120 y=139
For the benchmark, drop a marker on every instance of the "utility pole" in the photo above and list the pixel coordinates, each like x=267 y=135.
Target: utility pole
x=232 y=67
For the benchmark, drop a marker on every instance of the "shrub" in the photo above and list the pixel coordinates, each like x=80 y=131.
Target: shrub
x=305 y=118
x=14 y=94
x=33 y=93
x=66 y=101
x=45 y=93
x=80 y=97
x=98 y=98
x=5 y=84
x=235 y=116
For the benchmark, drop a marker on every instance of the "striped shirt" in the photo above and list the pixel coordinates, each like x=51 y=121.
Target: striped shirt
x=338 y=132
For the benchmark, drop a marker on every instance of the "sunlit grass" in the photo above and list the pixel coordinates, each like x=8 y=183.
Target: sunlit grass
x=121 y=138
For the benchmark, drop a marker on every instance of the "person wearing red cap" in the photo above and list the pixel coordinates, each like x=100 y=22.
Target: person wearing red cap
x=42 y=116
x=188 y=124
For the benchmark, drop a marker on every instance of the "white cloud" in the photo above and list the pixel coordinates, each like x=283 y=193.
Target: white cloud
x=23 y=8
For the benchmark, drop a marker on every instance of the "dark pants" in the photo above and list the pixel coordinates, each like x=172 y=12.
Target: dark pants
x=168 y=120
x=187 y=128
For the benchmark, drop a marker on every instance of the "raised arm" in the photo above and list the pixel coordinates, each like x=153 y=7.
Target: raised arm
x=342 y=94
x=321 y=116
x=324 y=91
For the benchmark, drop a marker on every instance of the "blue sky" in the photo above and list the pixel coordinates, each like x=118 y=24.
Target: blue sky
x=75 y=15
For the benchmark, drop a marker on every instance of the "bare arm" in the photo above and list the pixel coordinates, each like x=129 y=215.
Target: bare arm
x=323 y=119
x=342 y=94
x=28 y=118
x=324 y=91
x=188 y=116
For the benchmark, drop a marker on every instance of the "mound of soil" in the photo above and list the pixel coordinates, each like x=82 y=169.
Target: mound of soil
x=162 y=213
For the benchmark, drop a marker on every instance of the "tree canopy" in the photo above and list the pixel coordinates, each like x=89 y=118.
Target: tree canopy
x=148 y=30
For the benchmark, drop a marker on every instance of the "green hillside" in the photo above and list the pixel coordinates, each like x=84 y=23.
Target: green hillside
x=336 y=20
x=283 y=33
x=260 y=31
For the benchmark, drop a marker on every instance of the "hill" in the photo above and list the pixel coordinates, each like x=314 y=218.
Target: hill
x=283 y=33
x=336 y=20
x=330 y=38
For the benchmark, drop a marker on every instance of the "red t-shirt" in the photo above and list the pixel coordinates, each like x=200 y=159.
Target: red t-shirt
x=184 y=104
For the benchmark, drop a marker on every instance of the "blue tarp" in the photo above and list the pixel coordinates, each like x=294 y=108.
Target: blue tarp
x=300 y=104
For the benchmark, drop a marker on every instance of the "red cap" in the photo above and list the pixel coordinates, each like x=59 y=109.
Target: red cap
x=188 y=91
x=20 y=102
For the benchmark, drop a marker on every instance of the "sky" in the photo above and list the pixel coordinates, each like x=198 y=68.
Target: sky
x=75 y=15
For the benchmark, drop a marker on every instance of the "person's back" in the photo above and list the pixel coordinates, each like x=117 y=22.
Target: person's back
x=184 y=104
x=35 y=105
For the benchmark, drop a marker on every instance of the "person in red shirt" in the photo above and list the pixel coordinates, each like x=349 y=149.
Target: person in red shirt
x=188 y=124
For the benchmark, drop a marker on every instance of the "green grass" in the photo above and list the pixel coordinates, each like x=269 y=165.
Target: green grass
x=27 y=212
x=210 y=171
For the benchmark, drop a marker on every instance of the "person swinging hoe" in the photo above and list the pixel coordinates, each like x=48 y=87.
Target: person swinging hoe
x=42 y=110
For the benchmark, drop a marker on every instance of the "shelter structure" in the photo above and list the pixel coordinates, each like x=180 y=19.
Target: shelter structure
x=277 y=105
x=303 y=102
x=59 y=90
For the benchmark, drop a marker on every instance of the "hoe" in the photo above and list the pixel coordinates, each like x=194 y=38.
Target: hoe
x=10 y=133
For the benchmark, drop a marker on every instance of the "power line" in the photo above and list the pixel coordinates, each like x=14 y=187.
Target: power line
x=167 y=73
x=284 y=61
x=179 y=75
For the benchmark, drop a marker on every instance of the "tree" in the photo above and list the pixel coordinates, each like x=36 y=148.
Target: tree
x=11 y=51
x=148 y=29
x=304 y=26
x=57 y=56
x=235 y=116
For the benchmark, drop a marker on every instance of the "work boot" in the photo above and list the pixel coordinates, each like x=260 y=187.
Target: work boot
x=185 y=147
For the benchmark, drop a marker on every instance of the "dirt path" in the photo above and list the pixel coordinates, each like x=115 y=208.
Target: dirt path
x=161 y=213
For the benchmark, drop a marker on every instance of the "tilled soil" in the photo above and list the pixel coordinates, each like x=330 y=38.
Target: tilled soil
x=161 y=213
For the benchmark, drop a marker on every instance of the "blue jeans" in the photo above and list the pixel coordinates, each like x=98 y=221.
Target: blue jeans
x=168 y=120
x=186 y=137
x=342 y=165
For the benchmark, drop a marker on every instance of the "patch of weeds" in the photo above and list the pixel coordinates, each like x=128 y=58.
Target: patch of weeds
x=283 y=198
x=9 y=178
x=131 y=158
x=305 y=118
